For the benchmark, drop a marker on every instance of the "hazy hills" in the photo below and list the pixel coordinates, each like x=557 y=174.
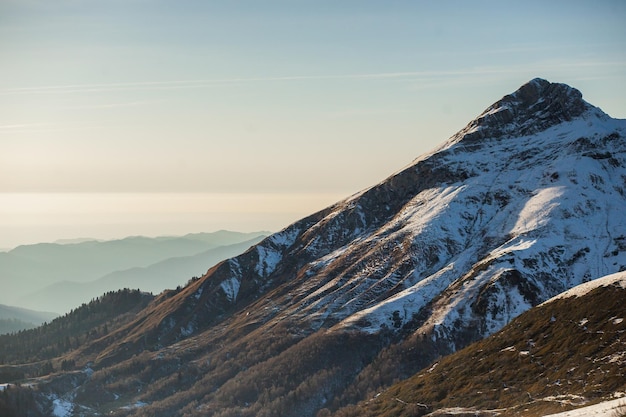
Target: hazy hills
x=525 y=202
x=59 y=277
x=13 y=319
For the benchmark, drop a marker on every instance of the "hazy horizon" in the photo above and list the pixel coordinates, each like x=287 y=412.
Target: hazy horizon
x=29 y=218
x=115 y=117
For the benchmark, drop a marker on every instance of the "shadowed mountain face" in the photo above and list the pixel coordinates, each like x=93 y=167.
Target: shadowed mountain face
x=525 y=202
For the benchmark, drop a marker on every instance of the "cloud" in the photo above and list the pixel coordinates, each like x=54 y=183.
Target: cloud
x=405 y=75
x=206 y=83
x=114 y=105
x=47 y=127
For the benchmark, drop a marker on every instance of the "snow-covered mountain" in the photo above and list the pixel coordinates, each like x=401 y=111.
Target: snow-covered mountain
x=525 y=202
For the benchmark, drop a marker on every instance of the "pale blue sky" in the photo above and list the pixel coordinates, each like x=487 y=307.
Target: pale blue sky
x=280 y=98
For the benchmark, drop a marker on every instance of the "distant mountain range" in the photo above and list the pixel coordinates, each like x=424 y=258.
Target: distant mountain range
x=13 y=319
x=524 y=203
x=59 y=277
x=166 y=274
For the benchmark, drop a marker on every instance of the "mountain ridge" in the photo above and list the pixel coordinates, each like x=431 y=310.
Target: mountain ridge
x=534 y=107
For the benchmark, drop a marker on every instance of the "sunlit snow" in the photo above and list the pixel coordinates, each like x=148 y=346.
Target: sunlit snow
x=231 y=288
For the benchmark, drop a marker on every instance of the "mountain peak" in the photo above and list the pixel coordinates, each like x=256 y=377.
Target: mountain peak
x=534 y=107
x=541 y=96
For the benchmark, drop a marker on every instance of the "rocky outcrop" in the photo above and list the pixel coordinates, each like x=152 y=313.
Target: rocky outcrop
x=534 y=107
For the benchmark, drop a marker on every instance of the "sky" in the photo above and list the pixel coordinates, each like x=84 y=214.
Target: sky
x=126 y=117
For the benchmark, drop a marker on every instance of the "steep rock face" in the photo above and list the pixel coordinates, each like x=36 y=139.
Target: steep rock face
x=533 y=108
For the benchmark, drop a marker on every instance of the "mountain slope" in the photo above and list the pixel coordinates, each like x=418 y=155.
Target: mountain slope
x=525 y=202
x=564 y=353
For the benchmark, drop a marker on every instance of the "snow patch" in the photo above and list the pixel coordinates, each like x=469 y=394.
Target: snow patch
x=198 y=293
x=285 y=238
x=88 y=371
x=235 y=266
x=231 y=288
x=536 y=211
x=268 y=260
x=187 y=331
x=62 y=408
x=606 y=408
x=136 y=404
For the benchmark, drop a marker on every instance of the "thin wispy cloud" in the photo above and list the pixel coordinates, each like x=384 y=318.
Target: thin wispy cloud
x=13 y=127
x=184 y=84
x=114 y=105
x=208 y=83
x=46 y=127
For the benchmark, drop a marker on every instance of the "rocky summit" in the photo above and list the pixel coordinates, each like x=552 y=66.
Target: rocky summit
x=536 y=106
x=525 y=202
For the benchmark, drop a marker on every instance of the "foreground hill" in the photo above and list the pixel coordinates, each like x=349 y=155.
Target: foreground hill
x=525 y=202
x=564 y=353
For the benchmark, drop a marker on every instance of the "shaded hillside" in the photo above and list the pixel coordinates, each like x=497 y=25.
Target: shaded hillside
x=564 y=353
x=527 y=201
